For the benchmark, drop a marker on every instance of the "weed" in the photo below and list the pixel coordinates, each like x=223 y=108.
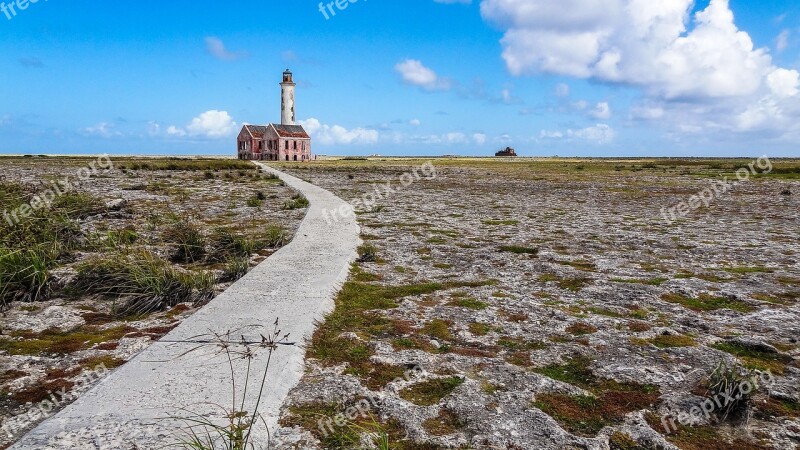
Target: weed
x=439 y=329
x=55 y=341
x=648 y=281
x=256 y=202
x=298 y=201
x=188 y=242
x=447 y=422
x=705 y=303
x=574 y=371
x=520 y=250
x=726 y=383
x=744 y=270
x=756 y=358
x=572 y=284
x=581 y=329
x=234 y=269
x=201 y=432
x=431 y=392
x=142 y=280
x=367 y=253
x=479 y=329
x=501 y=222
x=672 y=340
x=623 y=441
x=470 y=303
x=702 y=437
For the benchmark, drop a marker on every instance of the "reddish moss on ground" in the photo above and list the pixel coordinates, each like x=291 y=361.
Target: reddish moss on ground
x=703 y=437
x=587 y=415
x=41 y=391
x=447 y=422
x=581 y=328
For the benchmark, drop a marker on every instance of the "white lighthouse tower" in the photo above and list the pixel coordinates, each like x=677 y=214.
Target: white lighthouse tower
x=287 y=99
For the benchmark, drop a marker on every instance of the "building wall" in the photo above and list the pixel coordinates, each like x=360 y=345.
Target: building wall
x=272 y=147
x=244 y=145
x=277 y=147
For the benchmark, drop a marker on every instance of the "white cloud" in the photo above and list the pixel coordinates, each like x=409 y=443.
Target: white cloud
x=102 y=129
x=647 y=112
x=415 y=73
x=153 y=128
x=336 y=134
x=782 y=41
x=562 y=90
x=479 y=138
x=784 y=83
x=216 y=48
x=414 y=122
x=175 y=131
x=638 y=42
x=601 y=111
x=211 y=124
x=598 y=134
x=454 y=138
x=551 y=134
x=697 y=72
x=508 y=97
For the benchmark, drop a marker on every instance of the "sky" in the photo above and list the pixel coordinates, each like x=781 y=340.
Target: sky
x=413 y=77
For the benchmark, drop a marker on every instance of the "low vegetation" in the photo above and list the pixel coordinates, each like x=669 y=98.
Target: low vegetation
x=705 y=303
x=431 y=392
x=587 y=415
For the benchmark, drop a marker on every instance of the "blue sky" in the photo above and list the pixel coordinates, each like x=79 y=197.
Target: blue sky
x=419 y=77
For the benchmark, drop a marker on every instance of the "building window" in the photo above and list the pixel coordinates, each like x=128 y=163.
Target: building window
x=295 y=145
x=287 y=146
x=269 y=145
x=261 y=145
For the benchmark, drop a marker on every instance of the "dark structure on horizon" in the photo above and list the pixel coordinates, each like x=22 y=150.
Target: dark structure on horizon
x=507 y=153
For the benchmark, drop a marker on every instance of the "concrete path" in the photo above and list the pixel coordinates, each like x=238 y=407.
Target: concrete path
x=295 y=285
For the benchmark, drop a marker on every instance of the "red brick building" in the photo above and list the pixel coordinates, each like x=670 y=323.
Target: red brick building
x=285 y=142
x=274 y=143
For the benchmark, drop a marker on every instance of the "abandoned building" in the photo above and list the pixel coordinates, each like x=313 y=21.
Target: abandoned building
x=285 y=142
x=507 y=153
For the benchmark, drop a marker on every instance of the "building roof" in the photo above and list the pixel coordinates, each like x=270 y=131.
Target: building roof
x=292 y=131
x=257 y=131
x=284 y=131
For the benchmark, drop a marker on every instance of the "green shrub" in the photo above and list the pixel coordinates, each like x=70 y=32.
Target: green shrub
x=255 y=202
x=24 y=273
x=142 y=282
x=367 y=253
x=224 y=245
x=234 y=269
x=725 y=386
x=273 y=237
x=187 y=240
x=297 y=202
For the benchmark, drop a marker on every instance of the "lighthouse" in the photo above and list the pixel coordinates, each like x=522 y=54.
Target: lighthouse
x=287 y=99
x=286 y=141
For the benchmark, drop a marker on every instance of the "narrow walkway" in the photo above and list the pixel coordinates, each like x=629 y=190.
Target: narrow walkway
x=296 y=285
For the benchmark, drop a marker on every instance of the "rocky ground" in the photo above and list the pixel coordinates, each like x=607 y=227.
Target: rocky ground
x=139 y=246
x=551 y=305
